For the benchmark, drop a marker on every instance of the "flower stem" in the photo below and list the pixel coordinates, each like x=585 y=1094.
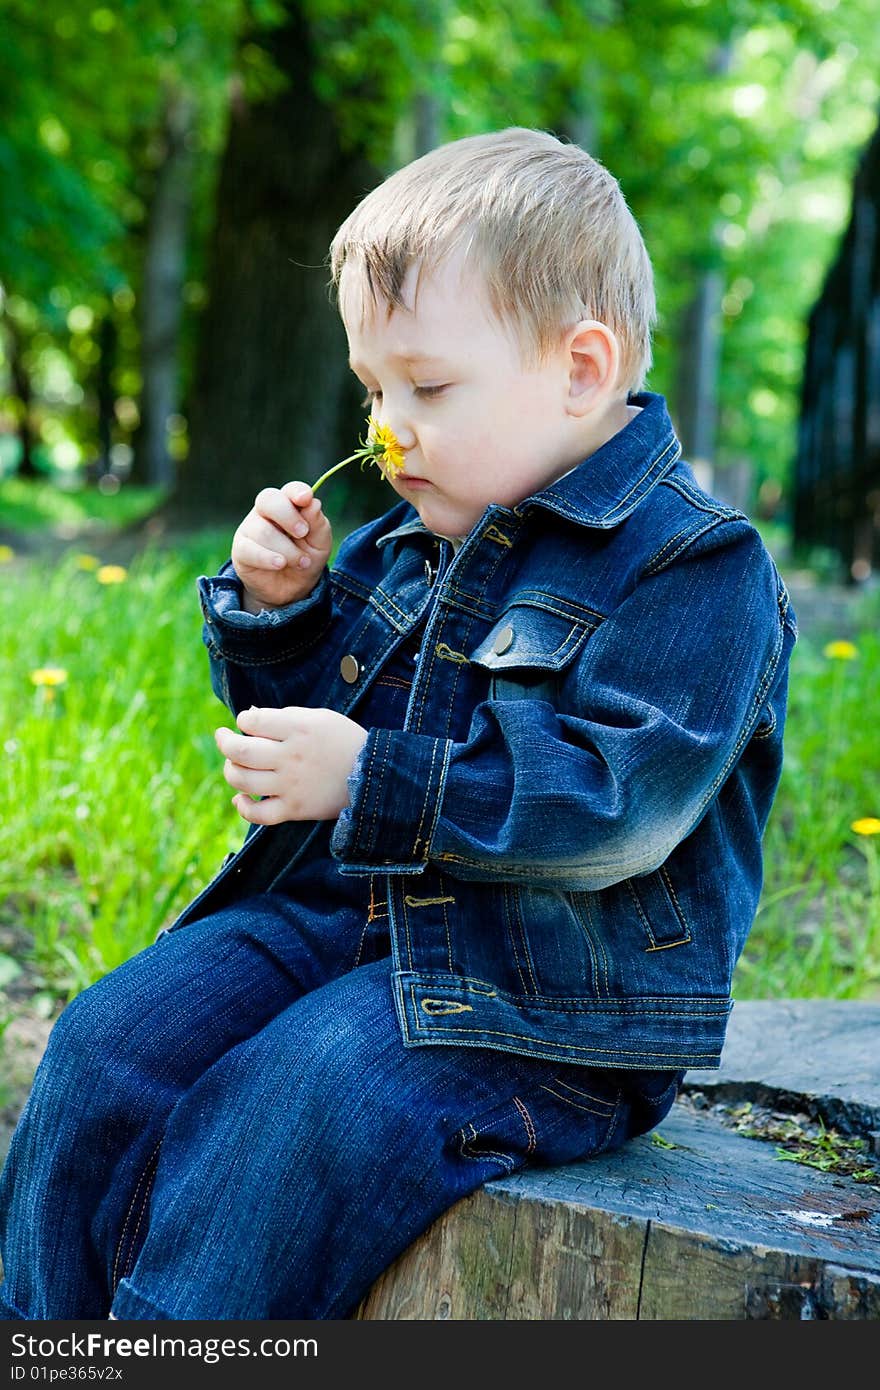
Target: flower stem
x=324 y=476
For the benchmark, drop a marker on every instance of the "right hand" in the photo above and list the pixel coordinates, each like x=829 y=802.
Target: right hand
x=268 y=554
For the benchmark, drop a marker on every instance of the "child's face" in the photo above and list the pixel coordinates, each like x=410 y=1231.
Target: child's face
x=477 y=424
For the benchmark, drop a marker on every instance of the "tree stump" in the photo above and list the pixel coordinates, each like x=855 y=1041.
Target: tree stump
x=698 y=1220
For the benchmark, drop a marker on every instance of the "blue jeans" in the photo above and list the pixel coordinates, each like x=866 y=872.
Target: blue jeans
x=229 y=1126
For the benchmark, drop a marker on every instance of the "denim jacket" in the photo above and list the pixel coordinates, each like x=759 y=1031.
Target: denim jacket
x=567 y=821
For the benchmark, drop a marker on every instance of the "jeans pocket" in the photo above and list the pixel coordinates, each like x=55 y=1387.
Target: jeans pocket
x=552 y=1120
x=580 y=1114
x=650 y=1096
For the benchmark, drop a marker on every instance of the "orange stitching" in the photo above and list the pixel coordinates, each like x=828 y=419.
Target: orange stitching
x=395 y=682
x=602 y=1114
x=492 y=533
x=448 y=654
x=585 y=1095
x=484 y=1153
x=530 y=1128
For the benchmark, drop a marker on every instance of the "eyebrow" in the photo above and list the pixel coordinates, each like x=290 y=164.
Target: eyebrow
x=410 y=358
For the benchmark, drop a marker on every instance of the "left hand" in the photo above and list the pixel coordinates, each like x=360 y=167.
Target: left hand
x=297 y=759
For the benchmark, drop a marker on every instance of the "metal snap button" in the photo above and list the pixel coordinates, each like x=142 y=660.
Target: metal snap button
x=503 y=640
x=350 y=668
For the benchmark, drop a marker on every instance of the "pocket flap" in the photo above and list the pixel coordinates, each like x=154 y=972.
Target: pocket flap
x=528 y=635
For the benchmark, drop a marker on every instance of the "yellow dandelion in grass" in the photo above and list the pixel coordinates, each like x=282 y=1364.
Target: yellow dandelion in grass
x=840 y=651
x=7 y=554
x=86 y=562
x=381 y=447
x=111 y=574
x=49 y=676
x=867 y=825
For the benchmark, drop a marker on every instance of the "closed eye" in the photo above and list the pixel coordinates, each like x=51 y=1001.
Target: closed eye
x=424 y=392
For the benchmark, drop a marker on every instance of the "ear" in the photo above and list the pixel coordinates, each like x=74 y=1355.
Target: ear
x=593 y=361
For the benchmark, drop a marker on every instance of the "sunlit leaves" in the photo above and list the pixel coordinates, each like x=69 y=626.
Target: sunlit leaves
x=733 y=129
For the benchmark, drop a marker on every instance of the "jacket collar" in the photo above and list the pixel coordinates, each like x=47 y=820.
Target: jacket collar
x=610 y=483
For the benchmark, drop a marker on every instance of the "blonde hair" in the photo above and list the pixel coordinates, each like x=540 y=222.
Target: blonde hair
x=545 y=225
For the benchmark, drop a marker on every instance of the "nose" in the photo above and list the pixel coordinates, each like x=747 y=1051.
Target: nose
x=394 y=416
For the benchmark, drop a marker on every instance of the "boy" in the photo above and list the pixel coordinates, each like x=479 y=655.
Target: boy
x=514 y=757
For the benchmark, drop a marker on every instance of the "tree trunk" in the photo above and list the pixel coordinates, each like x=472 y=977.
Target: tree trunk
x=698 y=359
x=108 y=339
x=273 y=398
x=164 y=273
x=428 y=122
x=837 y=465
x=22 y=390
x=699 y=347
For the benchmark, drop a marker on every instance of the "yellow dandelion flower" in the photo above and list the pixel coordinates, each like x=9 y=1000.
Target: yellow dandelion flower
x=49 y=675
x=840 y=651
x=86 y=562
x=6 y=554
x=381 y=447
x=867 y=825
x=111 y=574
x=389 y=451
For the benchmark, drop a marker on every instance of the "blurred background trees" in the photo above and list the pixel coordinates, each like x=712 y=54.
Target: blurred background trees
x=171 y=172
x=837 y=466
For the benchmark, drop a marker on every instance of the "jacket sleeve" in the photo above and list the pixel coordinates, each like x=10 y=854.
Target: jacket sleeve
x=669 y=689
x=270 y=658
x=282 y=656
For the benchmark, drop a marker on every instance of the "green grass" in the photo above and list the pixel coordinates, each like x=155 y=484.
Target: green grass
x=116 y=812
x=817 y=932
x=27 y=507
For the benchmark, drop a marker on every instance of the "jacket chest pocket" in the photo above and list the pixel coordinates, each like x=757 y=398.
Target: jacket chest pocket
x=529 y=648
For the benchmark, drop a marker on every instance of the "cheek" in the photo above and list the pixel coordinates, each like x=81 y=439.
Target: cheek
x=475 y=460
x=533 y=402
x=455 y=442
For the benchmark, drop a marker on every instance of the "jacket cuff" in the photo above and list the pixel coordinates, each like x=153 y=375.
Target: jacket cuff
x=395 y=789
x=273 y=634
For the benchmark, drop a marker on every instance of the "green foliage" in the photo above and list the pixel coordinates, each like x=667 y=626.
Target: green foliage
x=82 y=105
x=83 y=89
x=734 y=130
x=117 y=810
x=818 y=925
x=800 y=1139
x=42 y=506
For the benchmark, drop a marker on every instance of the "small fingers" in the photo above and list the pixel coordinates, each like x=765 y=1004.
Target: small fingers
x=249 y=553
x=309 y=508
x=269 y=811
x=271 y=723
x=274 y=550
x=257 y=753
x=245 y=779
x=301 y=495
x=274 y=506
